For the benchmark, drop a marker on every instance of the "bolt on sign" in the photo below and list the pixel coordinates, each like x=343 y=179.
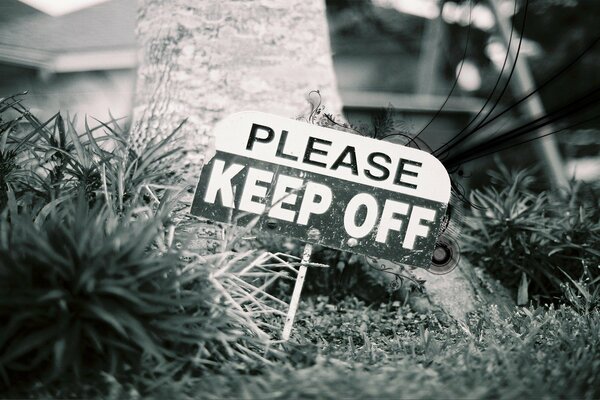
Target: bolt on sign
x=325 y=187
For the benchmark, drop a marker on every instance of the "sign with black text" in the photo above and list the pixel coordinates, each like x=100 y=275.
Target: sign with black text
x=325 y=187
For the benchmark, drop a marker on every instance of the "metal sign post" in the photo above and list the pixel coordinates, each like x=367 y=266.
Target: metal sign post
x=289 y=319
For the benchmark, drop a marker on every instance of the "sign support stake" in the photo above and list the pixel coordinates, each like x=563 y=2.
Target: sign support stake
x=289 y=319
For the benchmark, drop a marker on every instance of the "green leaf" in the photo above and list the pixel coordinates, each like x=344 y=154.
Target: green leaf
x=126 y=295
x=103 y=315
x=39 y=129
x=22 y=345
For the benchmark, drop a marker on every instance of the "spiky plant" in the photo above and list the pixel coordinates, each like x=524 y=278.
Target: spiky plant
x=78 y=290
x=90 y=280
x=83 y=290
x=544 y=240
x=44 y=162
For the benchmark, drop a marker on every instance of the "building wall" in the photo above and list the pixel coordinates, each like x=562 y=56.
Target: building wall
x=92 y=93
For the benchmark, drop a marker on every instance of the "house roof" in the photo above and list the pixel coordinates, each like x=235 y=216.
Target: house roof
x=94 y=38
x=12 y=9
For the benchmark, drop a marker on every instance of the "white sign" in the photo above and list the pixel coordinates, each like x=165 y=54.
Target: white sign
x=325 y=186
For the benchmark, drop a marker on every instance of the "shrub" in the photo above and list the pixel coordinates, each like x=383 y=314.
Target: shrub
x=550 y=239
x=83 y=290
x=90 y=282
x=44 y=162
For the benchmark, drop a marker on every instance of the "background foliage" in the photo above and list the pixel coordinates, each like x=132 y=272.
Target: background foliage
x=546 y=238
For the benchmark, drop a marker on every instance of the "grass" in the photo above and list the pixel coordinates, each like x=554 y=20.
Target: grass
x=350 y=350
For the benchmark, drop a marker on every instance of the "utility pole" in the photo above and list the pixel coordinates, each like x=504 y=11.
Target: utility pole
x=428 y=74
x=522 y=84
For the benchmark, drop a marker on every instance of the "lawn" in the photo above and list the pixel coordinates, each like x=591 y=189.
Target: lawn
x=351 y=350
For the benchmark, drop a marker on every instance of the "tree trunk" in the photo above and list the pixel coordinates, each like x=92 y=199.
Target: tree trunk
x=204 y=60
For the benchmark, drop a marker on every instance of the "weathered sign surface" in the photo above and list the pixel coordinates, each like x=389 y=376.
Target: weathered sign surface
x=325 y=187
